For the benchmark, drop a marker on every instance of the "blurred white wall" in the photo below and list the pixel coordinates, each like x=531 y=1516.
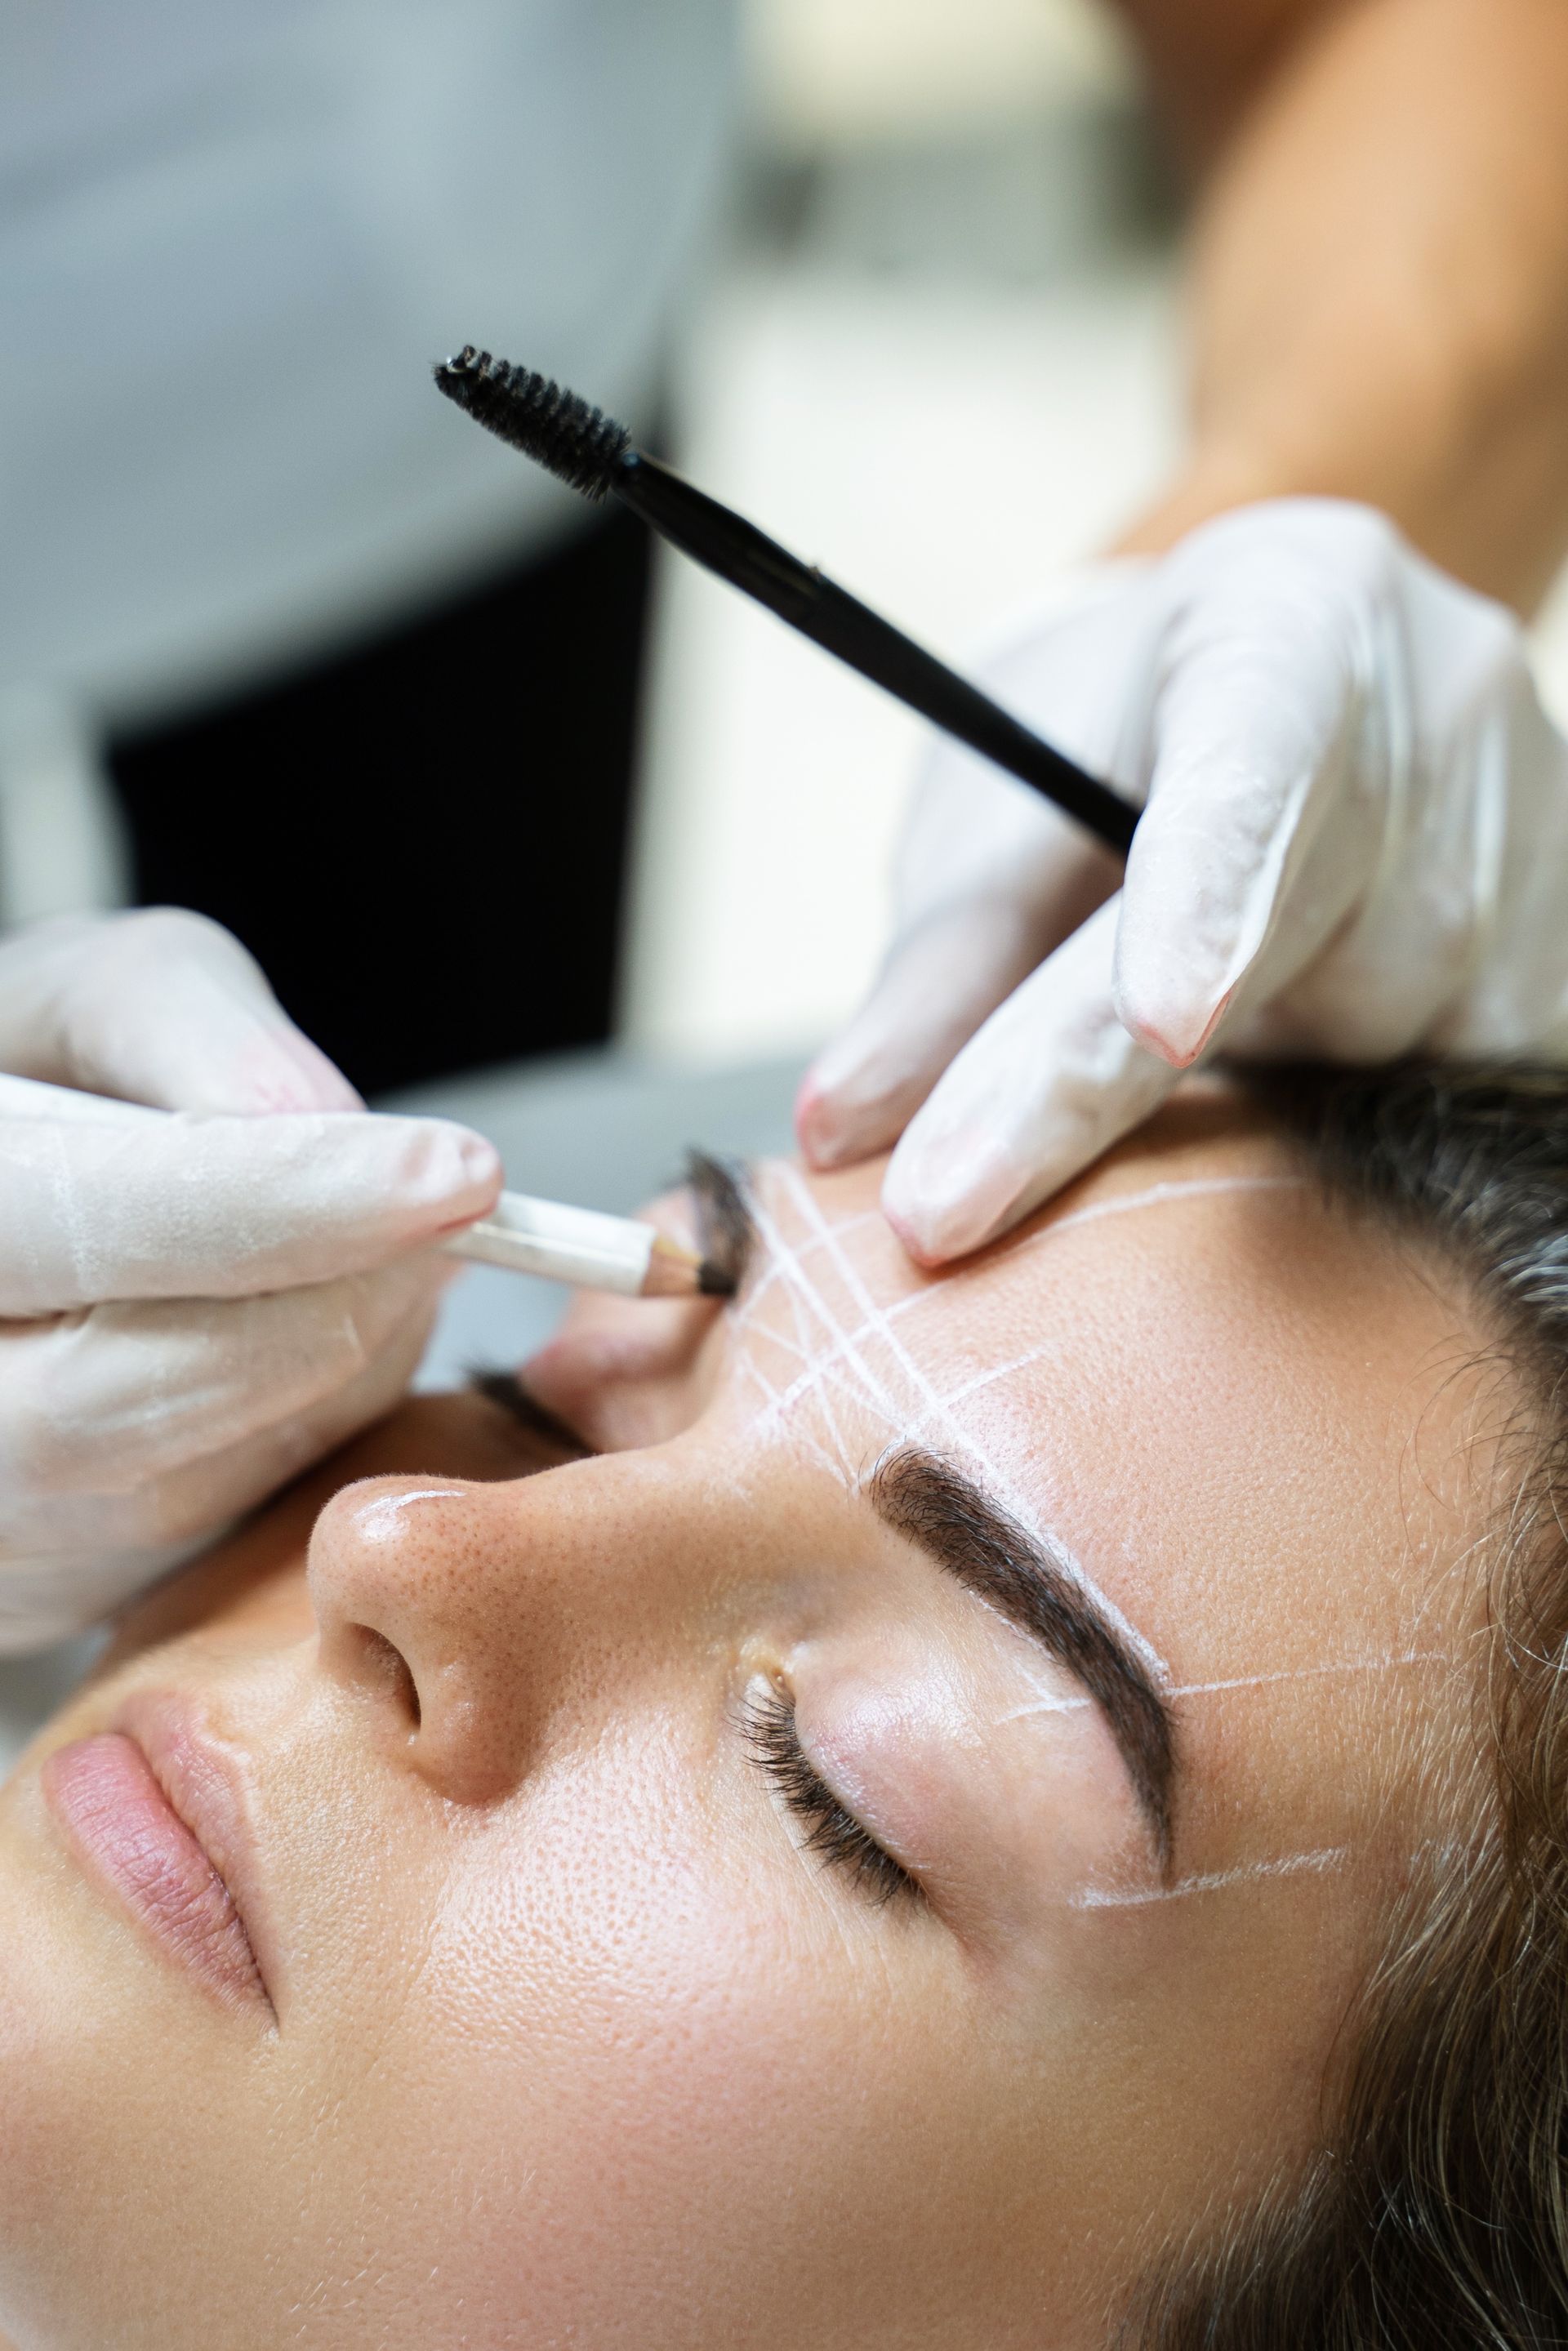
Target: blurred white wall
x=941 y=358
x=853 y=71
x=943 y=454
x=937 y=359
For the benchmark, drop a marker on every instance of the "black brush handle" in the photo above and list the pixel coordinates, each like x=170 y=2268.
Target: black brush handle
x=841 y=624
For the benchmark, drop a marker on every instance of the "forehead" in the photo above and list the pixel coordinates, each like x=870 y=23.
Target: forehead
x=1190 y=1374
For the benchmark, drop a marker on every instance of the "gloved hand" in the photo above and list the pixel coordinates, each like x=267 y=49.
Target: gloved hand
x=192 y=1309
x=1355 y=844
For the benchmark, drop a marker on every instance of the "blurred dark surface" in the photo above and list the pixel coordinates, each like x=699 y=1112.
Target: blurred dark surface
x=423 y=842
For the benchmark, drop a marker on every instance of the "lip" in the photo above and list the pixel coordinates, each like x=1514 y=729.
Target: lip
x=154 y=1810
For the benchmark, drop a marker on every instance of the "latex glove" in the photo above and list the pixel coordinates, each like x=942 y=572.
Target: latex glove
x=193 y=1309
x=1355 y=844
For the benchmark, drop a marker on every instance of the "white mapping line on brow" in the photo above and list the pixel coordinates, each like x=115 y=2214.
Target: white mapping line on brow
x=810 y=1379
x=800 y=1295
x=875 y=1325
x=1289 y=1864
x=835 y=1468
x=818 y=1376
x=935 y=1408
x=741 y=1315
x=817 y=1366
x=759 y=1379
x=1249 y=1681
x=819 y=1379
x=804 y=1293
x=822 y=1393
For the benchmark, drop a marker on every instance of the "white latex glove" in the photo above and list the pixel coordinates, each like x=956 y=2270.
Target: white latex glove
x=1355 y=844
x=191 y=1309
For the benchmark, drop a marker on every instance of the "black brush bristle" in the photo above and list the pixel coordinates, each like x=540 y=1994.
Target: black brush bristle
x=576 y=443
x=724 y=1227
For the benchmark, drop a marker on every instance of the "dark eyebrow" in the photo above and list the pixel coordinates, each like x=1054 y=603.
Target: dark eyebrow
x=934 y=1505
x=726 y=1230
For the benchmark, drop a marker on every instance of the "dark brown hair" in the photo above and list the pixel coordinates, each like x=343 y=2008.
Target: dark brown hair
x=1437 y=2216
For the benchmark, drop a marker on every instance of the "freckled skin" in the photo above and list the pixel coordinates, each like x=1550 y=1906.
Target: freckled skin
x=574 y=2045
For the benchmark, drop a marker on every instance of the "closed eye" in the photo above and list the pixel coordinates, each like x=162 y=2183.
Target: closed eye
x=838 y=1839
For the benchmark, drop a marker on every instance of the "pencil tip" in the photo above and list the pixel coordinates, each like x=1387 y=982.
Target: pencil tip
x=714 y=1280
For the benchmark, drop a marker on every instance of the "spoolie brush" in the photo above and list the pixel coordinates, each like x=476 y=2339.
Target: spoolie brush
x=580 y=446
x=577 y=444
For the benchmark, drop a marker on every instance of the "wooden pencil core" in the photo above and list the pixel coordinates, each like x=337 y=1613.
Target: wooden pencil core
x=674 y=1271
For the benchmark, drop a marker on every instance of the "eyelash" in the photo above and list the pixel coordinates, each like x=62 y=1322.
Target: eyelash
x=834 y=1836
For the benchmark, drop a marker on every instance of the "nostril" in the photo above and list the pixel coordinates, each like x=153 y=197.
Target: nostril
x=383 y=1668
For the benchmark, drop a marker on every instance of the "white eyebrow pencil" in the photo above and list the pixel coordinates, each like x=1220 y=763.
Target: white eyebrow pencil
x=558 y=1243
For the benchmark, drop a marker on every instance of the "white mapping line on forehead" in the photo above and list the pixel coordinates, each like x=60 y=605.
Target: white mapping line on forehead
x=837 y=1465
x=1383 y=1664
x=804 y=1293
x=784 y=1270
x=1289 y=1865
x=1155 y=1195
x=983 y=1380
x=1161 y=1195
x=1000 y=1485
x=1308 y=1673
x=819 y=1366
x=771 y=1275
x=821 y=1372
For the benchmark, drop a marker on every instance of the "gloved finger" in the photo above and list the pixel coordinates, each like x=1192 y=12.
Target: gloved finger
x=1256 y=761
x=161 y=1006
x=1455 y=941
x=1083 y=676
x=1378 y=989
x=82 y=1556
x=991 y=877
x=942 y=979
x=108 y=1402
x=196 y=1207
x=1049 y=1084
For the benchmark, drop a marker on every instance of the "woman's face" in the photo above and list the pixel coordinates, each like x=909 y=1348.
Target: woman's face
x=864 y=1850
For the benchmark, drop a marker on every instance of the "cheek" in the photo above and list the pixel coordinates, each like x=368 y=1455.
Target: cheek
x=132 y=2179
x=641 y=2060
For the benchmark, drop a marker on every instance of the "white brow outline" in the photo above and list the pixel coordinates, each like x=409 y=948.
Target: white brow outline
x=1346 y=1665
x=876 y=1323
x=1289 y=1865
x=822 y=1372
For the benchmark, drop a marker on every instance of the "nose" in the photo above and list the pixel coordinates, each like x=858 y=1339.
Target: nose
x=462 y=1616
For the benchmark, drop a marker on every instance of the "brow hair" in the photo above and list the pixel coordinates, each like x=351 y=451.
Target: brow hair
x=512 y=1395
x=726 y=1230
x=936 y=1506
